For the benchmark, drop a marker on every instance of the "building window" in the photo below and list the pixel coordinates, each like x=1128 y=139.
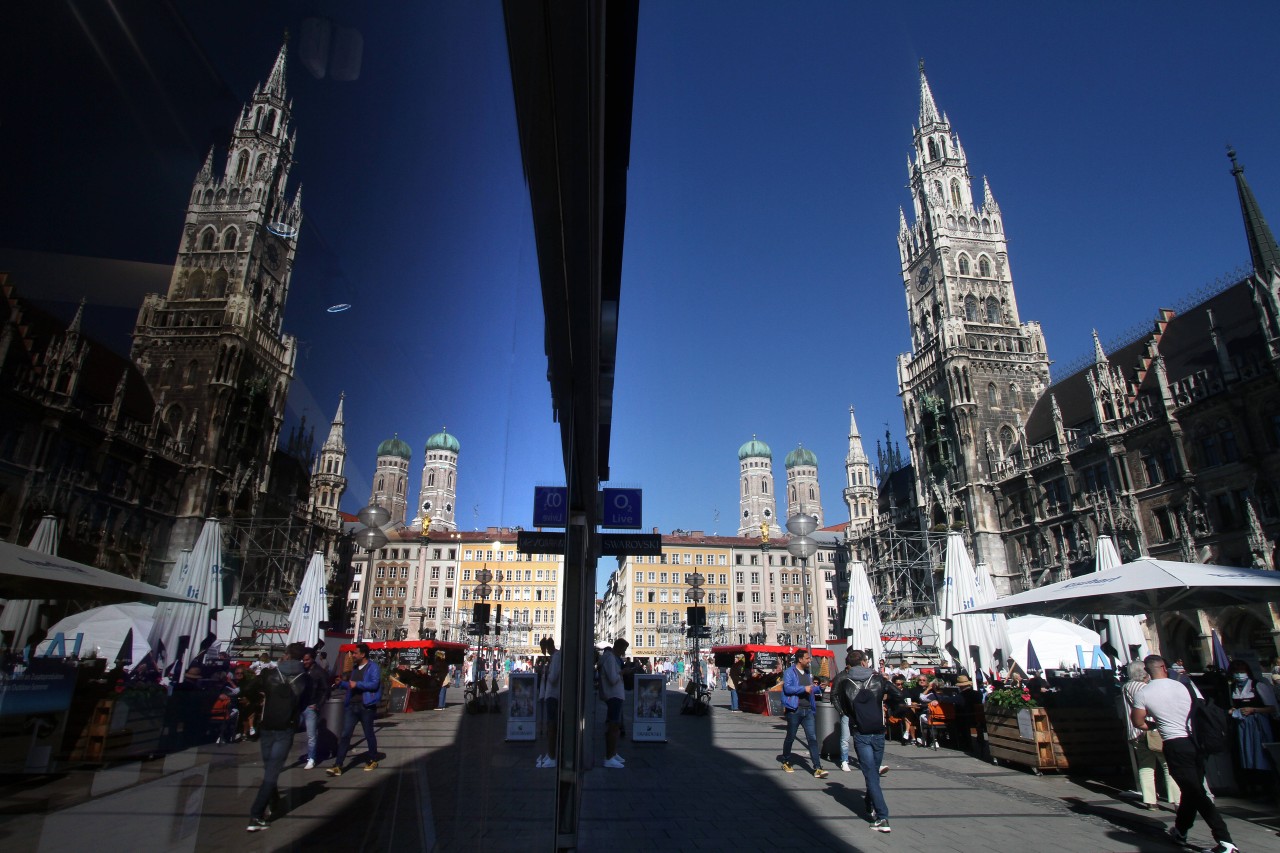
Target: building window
x=984 y=267
x=755 y=577
x=639 y=618
x=993 y=310
x=964 y=270
x=639 y=596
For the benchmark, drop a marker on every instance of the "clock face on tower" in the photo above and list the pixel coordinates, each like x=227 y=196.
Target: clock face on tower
x=925 y=279
x=273 y=257
x=426 y=506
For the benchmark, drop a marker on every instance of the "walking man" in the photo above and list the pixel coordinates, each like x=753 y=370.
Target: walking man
x=364 y=691
x=1165 y=704
x=860 y=694
x=800 y=705
x=315 y=693
x=614 y=692
x=276 y=694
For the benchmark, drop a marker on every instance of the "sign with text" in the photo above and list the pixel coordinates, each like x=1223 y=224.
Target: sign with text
x=650 y=697
x=630 y=544
x=550 y=506
x=620 y=508
x=532 y=542
x=522 y=706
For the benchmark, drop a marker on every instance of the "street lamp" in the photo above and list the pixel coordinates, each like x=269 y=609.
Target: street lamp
x=371 y=538
x=696 y=594
x=802 y=545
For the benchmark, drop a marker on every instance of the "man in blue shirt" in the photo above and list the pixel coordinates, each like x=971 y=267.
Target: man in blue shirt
x=800 y=706
x=364 y=691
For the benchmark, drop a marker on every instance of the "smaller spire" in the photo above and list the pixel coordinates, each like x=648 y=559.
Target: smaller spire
x=928 y=109
x=1263 y=251
x=74 y=327
x=902 y=228
x=853 y=425
x=988 y=200
x=275 y=83
x=1099 y=354
x=206 y=171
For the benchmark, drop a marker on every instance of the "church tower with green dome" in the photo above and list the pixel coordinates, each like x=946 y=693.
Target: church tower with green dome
x=804 y=495
x=439 y=483
x=391 y=478
x=759 y=509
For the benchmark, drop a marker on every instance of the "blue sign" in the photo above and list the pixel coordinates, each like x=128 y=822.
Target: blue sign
x=550 y=506
x=620 y=508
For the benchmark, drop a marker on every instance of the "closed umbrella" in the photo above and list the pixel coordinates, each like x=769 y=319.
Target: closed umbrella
x=861 y=616
x=21 y=616
x=188 y=632
x=164 y=632
x=311 y=607
x=1124 y=633
x=968 y=640
x=997 y=628
x=1220 y=659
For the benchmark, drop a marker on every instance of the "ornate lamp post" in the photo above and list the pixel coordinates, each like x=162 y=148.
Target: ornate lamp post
x=801 y=545
x=696 y=594
x=371 y=538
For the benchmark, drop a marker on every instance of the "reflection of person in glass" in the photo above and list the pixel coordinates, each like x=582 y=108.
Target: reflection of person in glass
x=521 y=698
x=649 y=704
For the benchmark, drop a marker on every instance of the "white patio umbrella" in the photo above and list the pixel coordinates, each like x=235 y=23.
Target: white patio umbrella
x=1124 y=633
x=311 y=607
x=21 y=616
x=861 y=616
x=997 y=628
x=1144 y=586
x=163 y=637
x=1057 y=642
x=188 y=630
x=968 y=638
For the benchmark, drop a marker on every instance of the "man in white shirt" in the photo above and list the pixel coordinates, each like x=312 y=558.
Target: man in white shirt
x=551 y=702
x=1167 y=703
x=613 y=691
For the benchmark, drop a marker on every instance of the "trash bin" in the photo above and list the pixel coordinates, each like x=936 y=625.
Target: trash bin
x=828 y=724
x=329 y=726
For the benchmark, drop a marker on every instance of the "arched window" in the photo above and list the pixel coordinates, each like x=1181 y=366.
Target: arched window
x=984 y=266
x=219 y=284
x=207 y=239
x=242 y=167
x=993 y=310
x=431 y=478
x=230 y=238
x=937 y=187
x=993 y=395
x=811 y=497
x=955 y=192
x=963 y=263
x=973 y=222
x=193 y=368
x=986 y=226
x=933 y=150
x=793 y=494
x=764 y=487
x=1006 y=440
x=195 y=285
x=261 y=165
x=971 y=308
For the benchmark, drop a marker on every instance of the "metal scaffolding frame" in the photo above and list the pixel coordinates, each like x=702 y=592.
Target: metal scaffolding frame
x=903 y=567
x=269 y=557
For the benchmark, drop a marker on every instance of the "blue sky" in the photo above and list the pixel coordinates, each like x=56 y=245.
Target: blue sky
x=761 y=285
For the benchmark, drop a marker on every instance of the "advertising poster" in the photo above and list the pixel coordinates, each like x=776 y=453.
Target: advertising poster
x=650 y=723
x=522 y=707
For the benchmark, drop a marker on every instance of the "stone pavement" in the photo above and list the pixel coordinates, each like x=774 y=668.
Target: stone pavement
x=449 y=782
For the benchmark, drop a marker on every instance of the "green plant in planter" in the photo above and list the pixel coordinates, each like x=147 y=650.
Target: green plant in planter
x=1009 y=699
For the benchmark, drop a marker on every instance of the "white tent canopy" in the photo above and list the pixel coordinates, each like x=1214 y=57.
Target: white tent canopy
x=104 y=631
x=1144 y=586
x=1058 y=643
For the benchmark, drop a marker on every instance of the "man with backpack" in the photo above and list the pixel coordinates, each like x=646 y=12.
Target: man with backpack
x=859 y=693
x=276 y=694
x=1168 y=705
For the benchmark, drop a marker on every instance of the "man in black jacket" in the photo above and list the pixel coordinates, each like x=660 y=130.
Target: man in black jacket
x=860 y=694
x=315 y=693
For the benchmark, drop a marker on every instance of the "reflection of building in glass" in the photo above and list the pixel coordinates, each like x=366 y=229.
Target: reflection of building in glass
x=1170 y=442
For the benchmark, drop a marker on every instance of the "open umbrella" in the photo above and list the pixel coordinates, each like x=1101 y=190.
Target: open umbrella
x=311 y=607
x=29 y=574
x=968 y=641
x=21 y=616
x=861 y=616
x=1124 y=633
x=1144 y=586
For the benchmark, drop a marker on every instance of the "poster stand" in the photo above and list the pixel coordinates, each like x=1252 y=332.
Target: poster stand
x=649 y=722
x=522 y=706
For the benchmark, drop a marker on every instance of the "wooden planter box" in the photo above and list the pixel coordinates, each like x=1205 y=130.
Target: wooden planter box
x=1060 y=738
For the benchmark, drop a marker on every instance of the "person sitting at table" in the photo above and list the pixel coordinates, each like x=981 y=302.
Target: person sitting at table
x=907 y=719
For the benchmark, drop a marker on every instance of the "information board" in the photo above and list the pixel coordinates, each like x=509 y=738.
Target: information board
x=522 y=706
x=550 y=506
x=650 y=707
x=399 y=699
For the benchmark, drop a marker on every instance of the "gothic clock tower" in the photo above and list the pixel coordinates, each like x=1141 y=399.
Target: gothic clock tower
x=975 y=369
x=211 y=348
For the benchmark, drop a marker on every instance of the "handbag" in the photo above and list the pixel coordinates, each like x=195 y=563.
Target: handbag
x=1155 y=742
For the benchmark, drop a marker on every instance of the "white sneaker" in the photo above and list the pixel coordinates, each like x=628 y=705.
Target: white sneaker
x=614 y=763
x=541 y=758
x=310 y=765
x=549 y=763
x=844 y=765
x=906 y=738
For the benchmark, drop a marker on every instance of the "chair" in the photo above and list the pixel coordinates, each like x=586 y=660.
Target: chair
x=941 y=717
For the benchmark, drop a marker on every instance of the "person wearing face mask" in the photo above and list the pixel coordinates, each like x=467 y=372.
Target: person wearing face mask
x=1253 y=704
x=1249 y=695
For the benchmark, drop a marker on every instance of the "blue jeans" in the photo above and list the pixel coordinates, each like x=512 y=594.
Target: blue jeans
x=275 y=746
x=311 y=719
x=364 y=714
x=870 y=749
x=802 y=717
x=733 y=699
x=844 y=739
x=440 y=703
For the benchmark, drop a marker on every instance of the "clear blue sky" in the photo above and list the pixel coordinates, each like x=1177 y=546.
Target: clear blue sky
x=761 y=285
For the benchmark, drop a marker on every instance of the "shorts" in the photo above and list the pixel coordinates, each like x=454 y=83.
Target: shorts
x=614 y=712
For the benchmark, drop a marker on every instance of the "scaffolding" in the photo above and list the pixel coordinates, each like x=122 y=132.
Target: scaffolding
x=268 y=557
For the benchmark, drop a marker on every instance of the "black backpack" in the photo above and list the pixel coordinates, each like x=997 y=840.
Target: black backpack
x=1210 y=726
x=280 y=700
